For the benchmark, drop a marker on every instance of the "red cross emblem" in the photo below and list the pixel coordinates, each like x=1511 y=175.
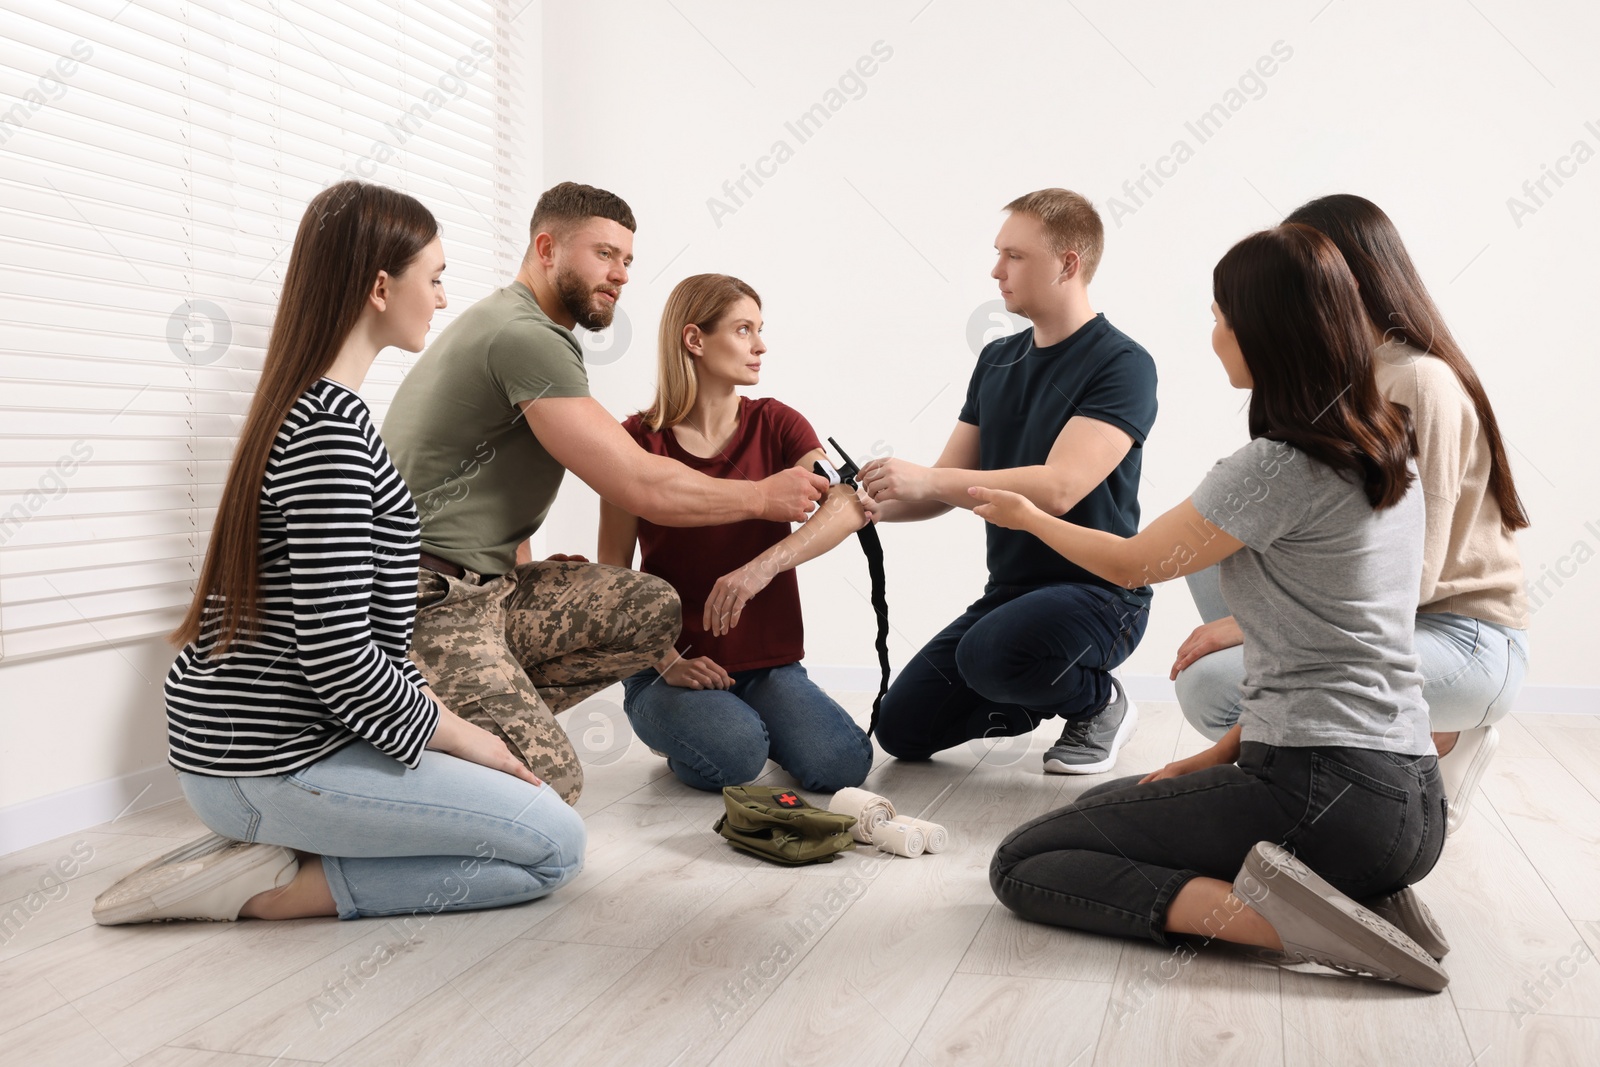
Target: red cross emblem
x=788 y=800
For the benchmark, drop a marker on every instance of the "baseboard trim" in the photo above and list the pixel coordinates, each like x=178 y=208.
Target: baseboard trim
x=847 y=679
x=1558 y=700
x=71 y=810
x=1533 y=699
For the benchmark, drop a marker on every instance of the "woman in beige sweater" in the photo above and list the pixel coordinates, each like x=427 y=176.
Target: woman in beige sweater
x=1472 y=613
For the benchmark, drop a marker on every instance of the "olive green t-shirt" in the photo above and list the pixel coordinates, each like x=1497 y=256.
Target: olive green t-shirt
x=482 y=481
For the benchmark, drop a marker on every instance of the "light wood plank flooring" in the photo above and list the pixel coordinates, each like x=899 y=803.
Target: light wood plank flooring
x=672 y=949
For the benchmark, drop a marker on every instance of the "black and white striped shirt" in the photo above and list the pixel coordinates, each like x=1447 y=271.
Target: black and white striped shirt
x=327 y=663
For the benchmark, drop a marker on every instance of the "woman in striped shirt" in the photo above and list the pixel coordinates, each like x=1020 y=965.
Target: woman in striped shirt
x=302 y=733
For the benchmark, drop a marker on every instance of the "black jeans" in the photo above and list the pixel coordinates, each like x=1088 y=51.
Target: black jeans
x=1369 y=822
x=1019 y=655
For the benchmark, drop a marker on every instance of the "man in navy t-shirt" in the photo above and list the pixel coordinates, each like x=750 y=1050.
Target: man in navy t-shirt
x=1058 y=413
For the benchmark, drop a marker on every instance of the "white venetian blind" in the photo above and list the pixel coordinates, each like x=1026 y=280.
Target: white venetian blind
x=155 y=159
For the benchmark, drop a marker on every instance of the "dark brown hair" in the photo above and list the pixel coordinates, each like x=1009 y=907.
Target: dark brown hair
x=1398 y=304
x=1292 y=304
x=1071 y=224
x=350 y=232
x=563 y=206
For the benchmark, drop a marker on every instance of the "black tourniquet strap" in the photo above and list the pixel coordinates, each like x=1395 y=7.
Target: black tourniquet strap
x=872 y=547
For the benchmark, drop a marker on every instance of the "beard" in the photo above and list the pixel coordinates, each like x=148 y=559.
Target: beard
x=580 y=301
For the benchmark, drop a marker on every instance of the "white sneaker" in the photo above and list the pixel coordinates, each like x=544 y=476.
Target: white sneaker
x=210 y=879
x=1462 y=769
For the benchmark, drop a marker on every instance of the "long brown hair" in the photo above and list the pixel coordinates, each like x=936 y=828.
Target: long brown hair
x=1398 y=304
x=1293 y=306
x=350 y=232
x=699 y=300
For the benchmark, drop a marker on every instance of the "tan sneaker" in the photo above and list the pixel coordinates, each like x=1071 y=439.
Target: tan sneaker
x=1406 y=910
x=209 y=879
x=1319 y=924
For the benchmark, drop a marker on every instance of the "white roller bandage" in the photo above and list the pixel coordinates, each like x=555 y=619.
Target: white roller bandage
x=870 y=810
x=935 y=837
x=900 y=838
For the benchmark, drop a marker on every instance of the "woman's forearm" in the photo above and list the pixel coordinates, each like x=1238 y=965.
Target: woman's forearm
x=1102 y=554
x=838 y=516
x=1180 y=541
x=1227 y=749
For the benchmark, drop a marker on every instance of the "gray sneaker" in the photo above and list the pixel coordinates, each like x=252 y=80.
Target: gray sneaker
x=1089 y=745
x=1406 y=910
x=1319 y=924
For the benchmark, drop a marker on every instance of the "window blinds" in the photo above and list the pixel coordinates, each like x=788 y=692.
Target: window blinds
x=155 y=159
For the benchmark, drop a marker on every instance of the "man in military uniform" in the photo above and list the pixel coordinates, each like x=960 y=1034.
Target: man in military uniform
x=509 y=642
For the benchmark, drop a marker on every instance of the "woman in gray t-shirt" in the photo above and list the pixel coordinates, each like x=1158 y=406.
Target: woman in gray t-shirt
x=1317 y=525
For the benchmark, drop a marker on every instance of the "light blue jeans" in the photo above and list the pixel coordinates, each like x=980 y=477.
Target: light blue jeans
x=718 y=737
x=1471 y=669
x=448 y=836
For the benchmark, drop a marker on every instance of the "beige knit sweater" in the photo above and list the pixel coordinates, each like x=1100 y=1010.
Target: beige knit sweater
x=1470 y=564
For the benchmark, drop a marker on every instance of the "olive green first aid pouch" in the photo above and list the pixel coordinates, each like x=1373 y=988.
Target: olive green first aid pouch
x=778 y=825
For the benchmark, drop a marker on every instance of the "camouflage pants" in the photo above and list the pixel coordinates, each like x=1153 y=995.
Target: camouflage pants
x=508 y=653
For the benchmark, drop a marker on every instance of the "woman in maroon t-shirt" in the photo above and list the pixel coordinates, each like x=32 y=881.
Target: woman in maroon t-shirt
x=732 y=694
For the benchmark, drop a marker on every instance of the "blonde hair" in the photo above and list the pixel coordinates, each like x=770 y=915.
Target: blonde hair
x=699 y=300
x=1071 y=224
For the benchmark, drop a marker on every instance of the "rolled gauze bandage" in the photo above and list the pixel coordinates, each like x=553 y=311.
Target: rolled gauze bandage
x=934 y=836
x=870 y=810
x=901 y=838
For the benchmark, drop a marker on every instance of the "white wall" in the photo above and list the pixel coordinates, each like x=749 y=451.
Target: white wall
x=871 y=246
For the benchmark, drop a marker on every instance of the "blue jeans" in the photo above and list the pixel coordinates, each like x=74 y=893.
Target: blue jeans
x=1471 y=669
x=718 y=737
x=448 y=836
x=1019 y=655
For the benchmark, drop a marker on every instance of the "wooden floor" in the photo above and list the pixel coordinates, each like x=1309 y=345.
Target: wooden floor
x=673 y=949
